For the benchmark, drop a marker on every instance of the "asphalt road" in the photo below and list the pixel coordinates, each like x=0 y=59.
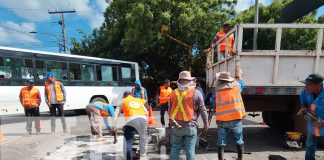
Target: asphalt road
x=260 y=142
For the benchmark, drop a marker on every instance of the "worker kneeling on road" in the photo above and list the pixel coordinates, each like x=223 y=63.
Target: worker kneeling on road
x=312 y=98
x=135 y=113
x=186 y=104
x=96 y=112
x=229 y=111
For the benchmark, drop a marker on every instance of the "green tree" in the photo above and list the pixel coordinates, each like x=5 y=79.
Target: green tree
x=292 y=39
x=131 y=31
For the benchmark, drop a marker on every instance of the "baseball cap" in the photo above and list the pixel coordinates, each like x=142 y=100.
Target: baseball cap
x=30 y=81
x=49 y=74
x=126 y=93
x=313 y=78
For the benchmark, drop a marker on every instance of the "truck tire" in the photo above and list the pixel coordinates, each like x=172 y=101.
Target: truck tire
x=278 y=120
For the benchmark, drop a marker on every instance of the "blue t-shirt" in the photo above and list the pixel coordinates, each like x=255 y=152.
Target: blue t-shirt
x=109 y=108
x=306 y=99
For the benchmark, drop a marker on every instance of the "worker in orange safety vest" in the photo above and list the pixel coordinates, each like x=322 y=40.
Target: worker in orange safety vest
x=222 y=45
x=186 y=103
x=55 y=97
x=163 y=99
x=30 y=99
x=135 y=113
x=230 y=111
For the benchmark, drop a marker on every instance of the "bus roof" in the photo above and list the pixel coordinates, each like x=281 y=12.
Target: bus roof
x=60 y=54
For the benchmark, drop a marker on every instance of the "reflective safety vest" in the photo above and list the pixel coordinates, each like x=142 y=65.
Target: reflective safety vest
x=165 y=94
x=182 y=108
x=101 y=106
x=30 y=97
x=143 y=90
x=58 y=91
x=222 y=44
x=133 y=106
x=229 y=104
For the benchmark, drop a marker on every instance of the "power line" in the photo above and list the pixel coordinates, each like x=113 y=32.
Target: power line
x=51 y=5
x=69 y=4
x=37 y=9
x=16 y=30
x=62 y=25
x=43 y=4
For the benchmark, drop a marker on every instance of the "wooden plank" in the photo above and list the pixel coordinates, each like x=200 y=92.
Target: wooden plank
x=319 y=41
x=278 y=39
x=276 y=70
x=240 y=40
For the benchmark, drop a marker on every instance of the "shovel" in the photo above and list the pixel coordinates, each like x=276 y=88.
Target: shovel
x=115 y=137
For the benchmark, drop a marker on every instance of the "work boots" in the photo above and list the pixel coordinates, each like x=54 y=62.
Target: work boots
x=240 y=151
x=220 y=153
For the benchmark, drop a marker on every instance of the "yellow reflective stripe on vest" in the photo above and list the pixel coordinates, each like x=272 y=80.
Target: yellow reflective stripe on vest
x=180 y=105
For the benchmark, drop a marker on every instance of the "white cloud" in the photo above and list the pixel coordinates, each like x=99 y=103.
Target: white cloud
x=11 y=32
x=102 y=4
x=245 y=4
x=93 y=15
x=37 y=10
x=31 y=10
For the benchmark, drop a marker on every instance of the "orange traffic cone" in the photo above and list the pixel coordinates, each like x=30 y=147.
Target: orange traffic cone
x=2 y=138
x=151 y=120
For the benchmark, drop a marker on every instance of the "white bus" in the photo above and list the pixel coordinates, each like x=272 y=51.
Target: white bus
x=84 y=78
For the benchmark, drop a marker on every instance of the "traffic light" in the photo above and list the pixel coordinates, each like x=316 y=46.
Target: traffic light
x=299 y=8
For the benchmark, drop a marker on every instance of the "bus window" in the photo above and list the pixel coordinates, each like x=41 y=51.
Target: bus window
x=75 y=71
x=40 y=69
x=2 y=68
x=106 y=73
x=87 y=72
x=28 y=70
x=125 y=74
x=58 y=68
x=13 y=68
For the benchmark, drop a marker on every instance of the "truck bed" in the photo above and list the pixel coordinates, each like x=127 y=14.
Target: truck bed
x=275 y=69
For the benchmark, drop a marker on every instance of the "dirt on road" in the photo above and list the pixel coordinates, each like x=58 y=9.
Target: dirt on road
x=261 y=142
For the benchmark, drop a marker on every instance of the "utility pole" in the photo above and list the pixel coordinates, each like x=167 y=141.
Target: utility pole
x=61 y=22
x=256 y=21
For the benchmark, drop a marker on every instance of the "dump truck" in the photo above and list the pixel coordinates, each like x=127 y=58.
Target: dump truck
x=272 y=76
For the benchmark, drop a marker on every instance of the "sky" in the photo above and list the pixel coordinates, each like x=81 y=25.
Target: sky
x=27 y=24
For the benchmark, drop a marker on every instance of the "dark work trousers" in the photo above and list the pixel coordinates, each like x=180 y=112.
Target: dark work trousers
x=129 y=133
x=60 y=110
x=163 y=109
x=32 y=113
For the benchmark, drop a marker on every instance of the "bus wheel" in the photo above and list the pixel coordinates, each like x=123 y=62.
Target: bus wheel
x=92 y=99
